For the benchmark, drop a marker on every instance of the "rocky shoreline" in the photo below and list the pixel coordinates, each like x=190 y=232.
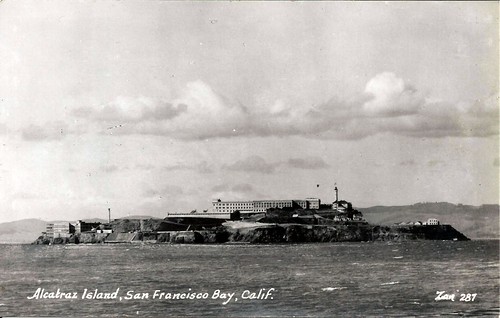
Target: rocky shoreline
x=261 y=234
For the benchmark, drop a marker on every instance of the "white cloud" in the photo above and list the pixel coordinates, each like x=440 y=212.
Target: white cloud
x=387 y=105
x=391 y=96
x=131 y=110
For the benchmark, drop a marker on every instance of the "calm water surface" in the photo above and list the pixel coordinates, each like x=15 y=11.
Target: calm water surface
x=317 y=280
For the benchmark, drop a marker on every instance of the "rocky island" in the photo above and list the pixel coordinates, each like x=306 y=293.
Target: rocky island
x=267 y=222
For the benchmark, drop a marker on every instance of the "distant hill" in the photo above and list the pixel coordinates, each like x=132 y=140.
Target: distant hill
x=23 y=231
x=473 y=221
x=93 y=220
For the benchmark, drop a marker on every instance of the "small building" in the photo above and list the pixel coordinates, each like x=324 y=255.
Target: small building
x=59 y=229
x=314 y=203
x=342 y=206
x=432 y=222
x=104 y=228
x=357 y=217
x=104 y=231
x=82 y=226
x=49 y=229
x=340 y=218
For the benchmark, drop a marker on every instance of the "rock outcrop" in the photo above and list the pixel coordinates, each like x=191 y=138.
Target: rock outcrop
x=415 y=232
x=262 y=233
x=296 y=233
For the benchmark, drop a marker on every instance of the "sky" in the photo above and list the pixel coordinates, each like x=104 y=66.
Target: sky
x=149 y=107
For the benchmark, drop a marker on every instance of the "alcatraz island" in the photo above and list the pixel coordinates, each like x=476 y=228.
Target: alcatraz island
x=264 y=221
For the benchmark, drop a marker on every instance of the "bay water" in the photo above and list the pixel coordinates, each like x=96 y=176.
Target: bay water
x=312 y=280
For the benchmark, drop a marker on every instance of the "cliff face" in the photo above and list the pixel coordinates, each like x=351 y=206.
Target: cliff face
x=272 y=233
x=43 y=239
x=92 y=237
x=343 y=233
x=308 y=234
x=412 y=232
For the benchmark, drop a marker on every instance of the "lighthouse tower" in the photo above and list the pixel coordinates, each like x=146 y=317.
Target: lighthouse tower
x=336 y=198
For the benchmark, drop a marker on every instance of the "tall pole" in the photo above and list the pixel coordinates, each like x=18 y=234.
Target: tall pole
x=336 y=198
x=109 y=215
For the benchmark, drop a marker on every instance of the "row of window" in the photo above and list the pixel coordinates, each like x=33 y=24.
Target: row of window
x=258 y=206
x=232 y=209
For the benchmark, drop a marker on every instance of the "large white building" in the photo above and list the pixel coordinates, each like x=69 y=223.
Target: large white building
x=59 y=229
x=261 y=206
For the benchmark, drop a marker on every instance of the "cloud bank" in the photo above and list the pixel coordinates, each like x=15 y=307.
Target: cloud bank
x=260 y=165
x=202 y=167
x=387 y=105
